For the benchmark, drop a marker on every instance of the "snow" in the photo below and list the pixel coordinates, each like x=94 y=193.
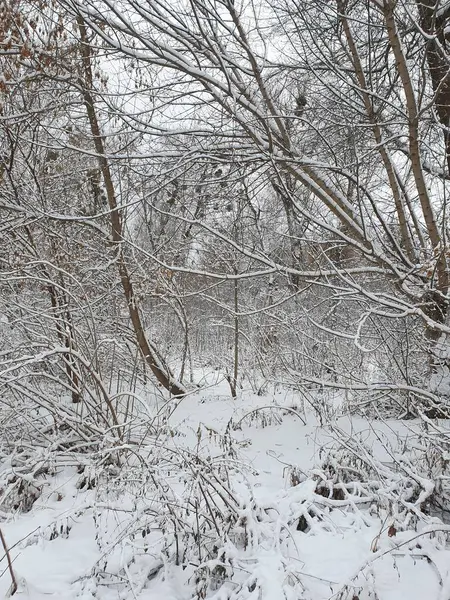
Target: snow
x=106 y=543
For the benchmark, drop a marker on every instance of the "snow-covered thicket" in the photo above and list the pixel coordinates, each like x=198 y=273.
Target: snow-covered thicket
x=224 y=283
x=219 y=500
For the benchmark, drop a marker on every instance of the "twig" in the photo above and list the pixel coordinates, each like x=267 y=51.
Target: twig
x=8 y=558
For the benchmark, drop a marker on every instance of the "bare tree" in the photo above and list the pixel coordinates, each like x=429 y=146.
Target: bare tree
x=349 y=69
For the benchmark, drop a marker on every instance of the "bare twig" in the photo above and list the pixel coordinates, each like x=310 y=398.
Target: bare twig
x=8 y=558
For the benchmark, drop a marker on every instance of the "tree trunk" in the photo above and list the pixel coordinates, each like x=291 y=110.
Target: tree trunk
x=159 y=369
x=433 y=24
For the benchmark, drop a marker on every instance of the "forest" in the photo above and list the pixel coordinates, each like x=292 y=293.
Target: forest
x=225 y=299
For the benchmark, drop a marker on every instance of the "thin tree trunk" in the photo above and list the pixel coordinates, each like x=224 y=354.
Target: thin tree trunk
x=436 y=300
x=65 y=334
x=234 y=377
x=433 y=24
x=159 y=369
x=377 y=132
x=413 y=127
x=64 y=325
x=14 y=586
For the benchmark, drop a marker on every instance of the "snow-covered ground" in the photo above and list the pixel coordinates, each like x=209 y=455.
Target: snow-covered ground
x=288 y=542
